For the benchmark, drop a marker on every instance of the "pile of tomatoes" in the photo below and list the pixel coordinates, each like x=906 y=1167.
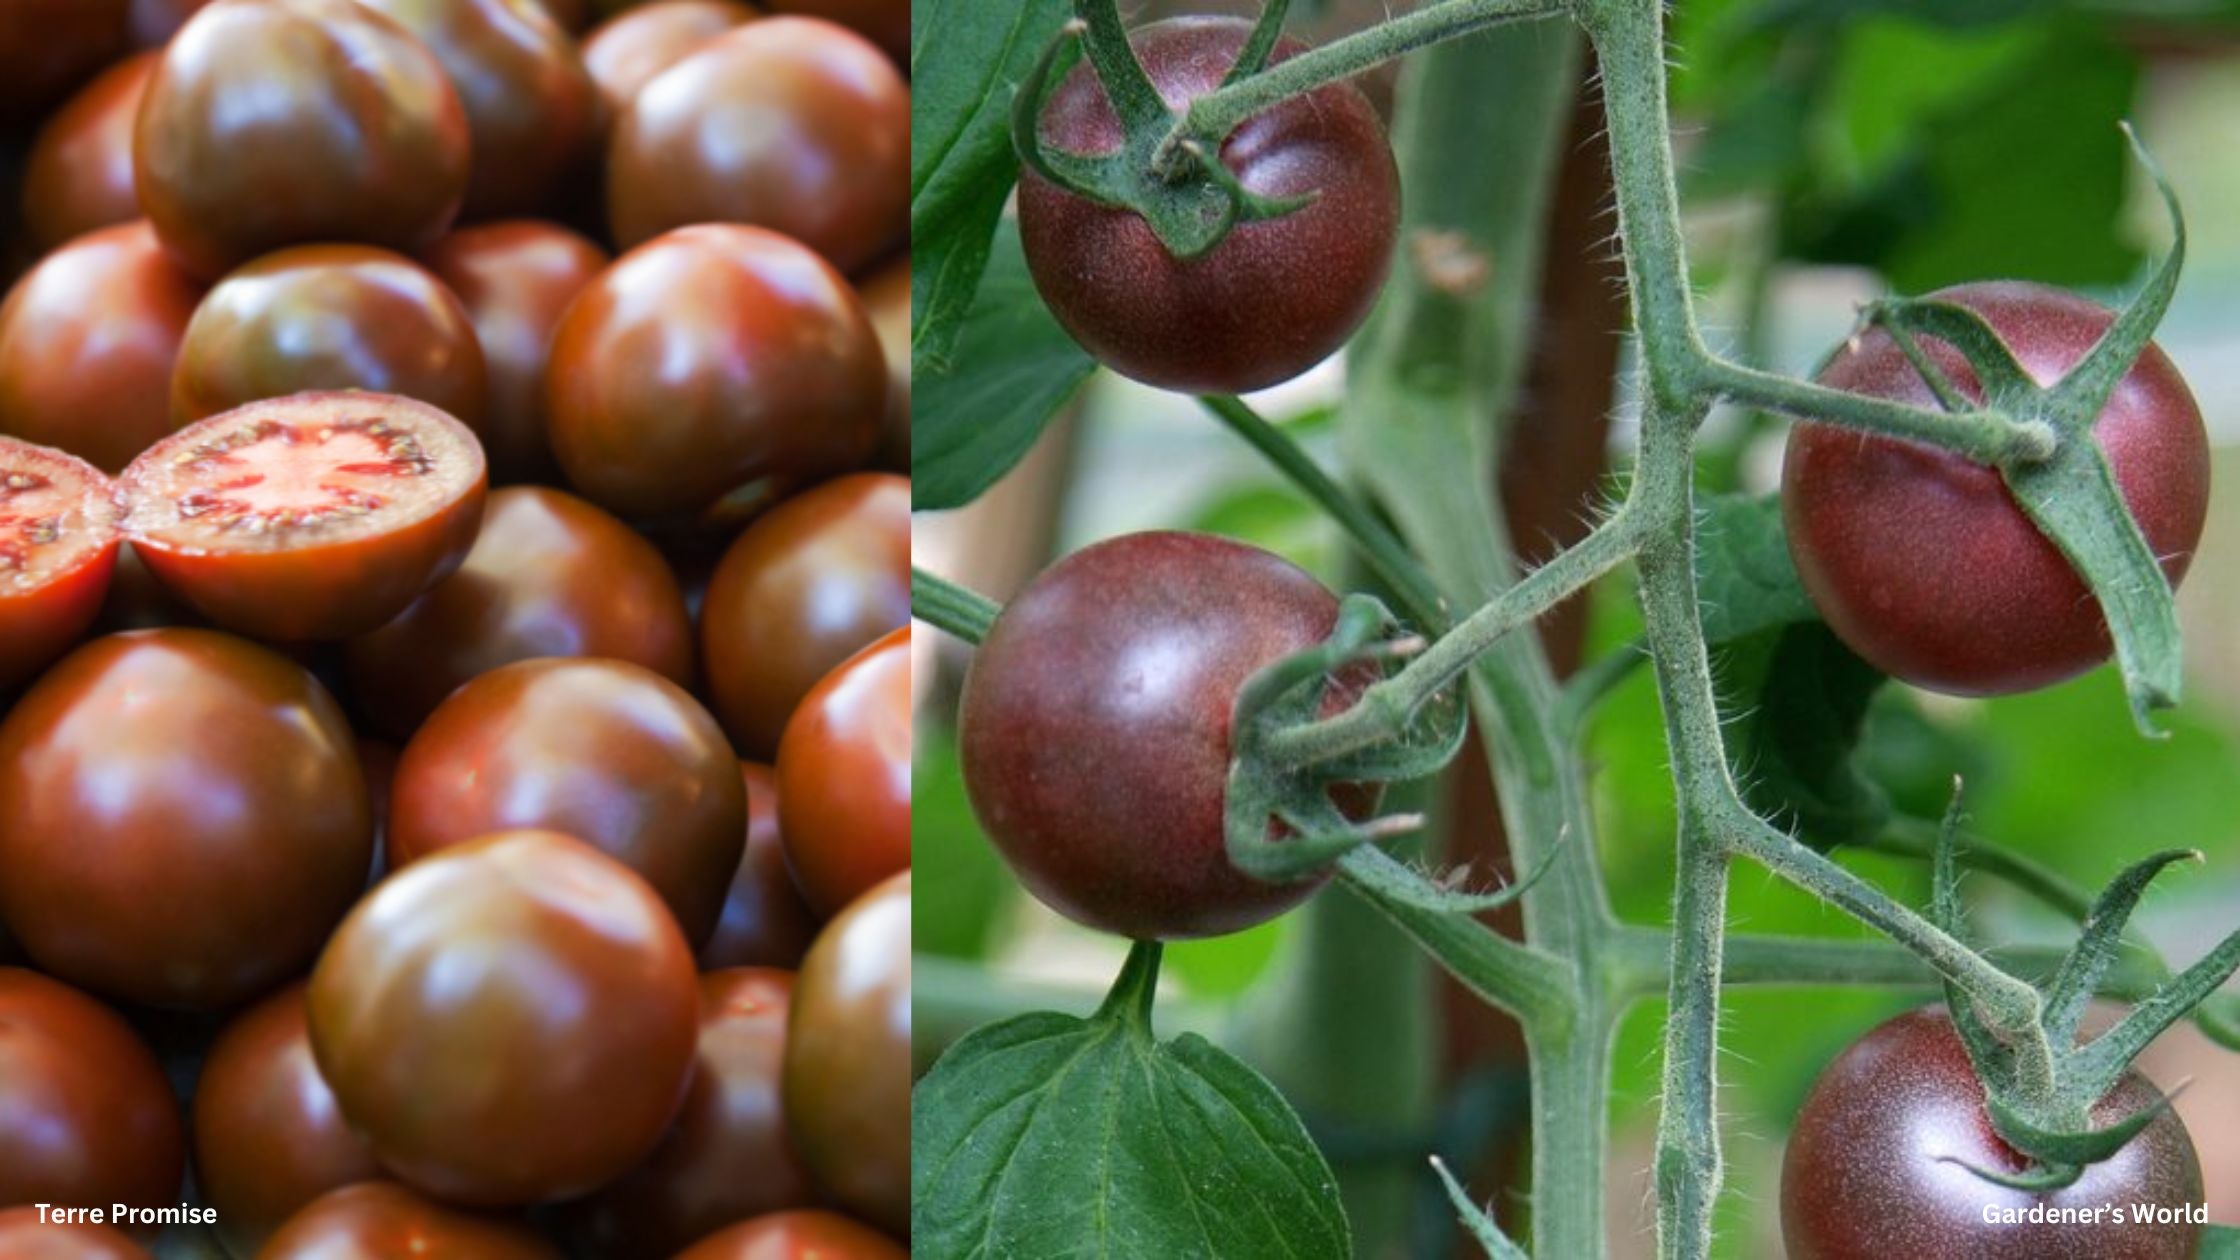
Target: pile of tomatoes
x=454 y=647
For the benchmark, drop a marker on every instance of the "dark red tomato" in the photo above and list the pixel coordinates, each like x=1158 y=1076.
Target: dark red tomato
x=1924 y=563
x=58 y=550
x=847 y=1070
x=729 y=1156
x=383 y=1221
x=765 y=922
x=516 y=279
x=1274 y=297
x=510 y=1021
x=23 y=1236
x=531 y=108
x=310 y=517
x=798 y=1236
x=268 y=1134
x=715 y=361
x=572 y=15
x=1095 y=734
x=791 y=124
x=321 y=317
x=627 y=51
x=844 y=777
x=154 y=22
x=86 y=1116
x=87 y=343
x=886 y=298
x=606 y=751
x=48 y=47
x=285 y=122
x=811 y=583
x=883 y=22
x=217 y=820
x=551 y=575
x=1875 y=1162
x=79 y=175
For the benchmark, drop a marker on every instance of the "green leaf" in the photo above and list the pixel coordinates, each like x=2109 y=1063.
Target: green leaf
x=1046 y=1137
x=1748 y=582
x=1802 y=699
x=2220 y=1242
x=1013 y=367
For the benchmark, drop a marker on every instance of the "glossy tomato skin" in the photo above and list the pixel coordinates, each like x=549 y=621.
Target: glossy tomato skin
x=844 y=777
x=1094 y=728
x=58 y=555
x=217 y=818
x=510 y=1021
x=886 y=298
x=1274 y=297
x=531 y=108
x=329 y=317
x=268 y=1135
x=883 y=22
x=49 y=46
x=515 y=278
x=729 y=1156
x=550 y=575
x=808 y=585
x=765 y=921
x=86 y=1116
x=608 y=752
x=800 y=1235
x=792 y=124
x=1866 y=1171
x=282 y=122
x=380 y=1220
x=23 y=1236
x=847 y=1068
x=79 y=175
x=87 y=343
x=714 y=361
x=1924 y=564
x=628 y=50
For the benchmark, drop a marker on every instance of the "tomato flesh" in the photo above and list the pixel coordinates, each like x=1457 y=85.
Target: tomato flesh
x=58 y=550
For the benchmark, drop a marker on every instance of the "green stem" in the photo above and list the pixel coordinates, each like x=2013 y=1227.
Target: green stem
x=1916 y=838
x=938 y=602
x=1986 y=437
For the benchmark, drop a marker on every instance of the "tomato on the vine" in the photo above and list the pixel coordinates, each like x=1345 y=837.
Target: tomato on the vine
x=1881 y=1163
x=1924 y=564
x=1274 y=297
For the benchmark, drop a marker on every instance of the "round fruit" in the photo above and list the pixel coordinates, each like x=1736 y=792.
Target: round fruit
x=48 y=46
x=86 y=1117
x=382 y=1221
x=216 y=820
x=79 y=176
x=329 y=317
x=510 y=1021
x=798 y=1236
x=715 y=361
x=1924 y=564
x=1094 y=730
x=605 y=751
x=515 y=279
x=58 y=550
x=550 y=575
x=1881 y=1163
x=626 y=52
x=886 y=298
x=791 y=124
x=765 y=922
x=728 y=1157
x=532 y=111
x=87 y=342
x=847 y=1069
x=285 y=122
x=883 y=22
x=811 y=583
x=844 y=777
x=23 y=1236
x=268 y=1134
x=311 y=517
x=1274 y=297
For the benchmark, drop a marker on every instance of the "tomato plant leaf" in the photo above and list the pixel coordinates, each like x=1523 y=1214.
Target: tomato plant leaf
x=1802 y=699
x=1052 y=1136
x=974 y=417
x=2220 y=1242
x=1744 y=574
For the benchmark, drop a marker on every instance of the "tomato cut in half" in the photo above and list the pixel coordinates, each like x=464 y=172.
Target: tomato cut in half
x=58 y=550
x=311 y=517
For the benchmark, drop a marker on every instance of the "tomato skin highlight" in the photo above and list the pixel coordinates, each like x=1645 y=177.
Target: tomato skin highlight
x=1924 y=564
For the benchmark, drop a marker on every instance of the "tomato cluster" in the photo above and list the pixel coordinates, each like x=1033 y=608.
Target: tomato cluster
x=454 y=648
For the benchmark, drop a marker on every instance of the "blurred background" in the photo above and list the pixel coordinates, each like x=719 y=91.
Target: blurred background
x=1831 y=152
